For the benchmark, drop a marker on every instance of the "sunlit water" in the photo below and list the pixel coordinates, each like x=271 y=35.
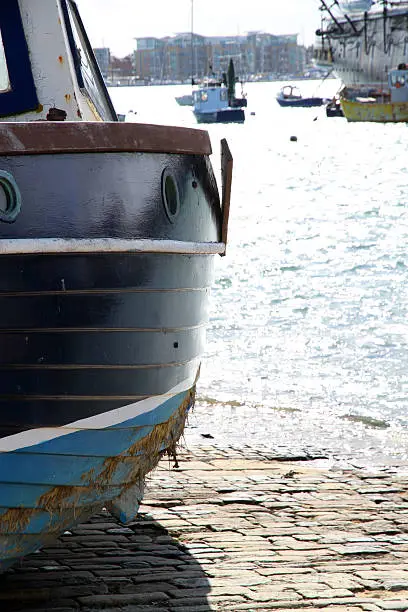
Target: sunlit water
x=308 y=338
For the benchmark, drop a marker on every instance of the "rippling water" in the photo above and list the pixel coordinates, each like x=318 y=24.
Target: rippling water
x=308 y=339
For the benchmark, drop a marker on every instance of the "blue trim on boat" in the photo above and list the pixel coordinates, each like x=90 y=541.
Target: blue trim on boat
x=65 y=462
x=22 y=95
x=17 y=495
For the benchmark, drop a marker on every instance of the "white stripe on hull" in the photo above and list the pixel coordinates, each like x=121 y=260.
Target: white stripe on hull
x=101 y=421
x=26 y=246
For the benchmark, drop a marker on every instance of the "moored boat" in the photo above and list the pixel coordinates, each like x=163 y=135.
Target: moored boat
x=362 y=39
x=290 y=95
x=378 y=105
x=108 y=233
x=216 y=101
x=333 y=108
x=212 y=105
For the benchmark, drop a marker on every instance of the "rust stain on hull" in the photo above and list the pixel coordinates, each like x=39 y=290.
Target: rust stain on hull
x=16 y=519
x=62 y=502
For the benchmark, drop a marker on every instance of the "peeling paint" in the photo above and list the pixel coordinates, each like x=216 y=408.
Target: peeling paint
x=15 y=520
x=62 y=503
x=147 y=451
x=53 y=500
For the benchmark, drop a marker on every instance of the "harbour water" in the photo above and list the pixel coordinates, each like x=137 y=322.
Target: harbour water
x=307 y=345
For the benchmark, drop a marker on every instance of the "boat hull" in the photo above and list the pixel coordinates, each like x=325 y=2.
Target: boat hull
x=49 y=486
x=104 y=284
x=355 y=111
x=230 y=115
x=301 y=103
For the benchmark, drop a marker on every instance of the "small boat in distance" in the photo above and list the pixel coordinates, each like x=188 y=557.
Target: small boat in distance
x=211 y=105
x=108 y=235
x=378 y=105
x=290 y=95
x=215 y=101
x=333 y=108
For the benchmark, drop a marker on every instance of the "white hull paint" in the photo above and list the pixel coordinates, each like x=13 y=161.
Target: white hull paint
x=108 y=245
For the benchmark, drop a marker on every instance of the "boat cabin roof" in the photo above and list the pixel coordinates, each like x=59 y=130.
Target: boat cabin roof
x=48 y=70
x=290 y=91
x=212 y=82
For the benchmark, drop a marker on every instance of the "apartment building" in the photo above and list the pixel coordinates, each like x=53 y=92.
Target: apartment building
x=186 y=55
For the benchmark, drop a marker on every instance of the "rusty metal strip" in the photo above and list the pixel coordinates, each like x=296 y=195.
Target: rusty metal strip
x=39 y=138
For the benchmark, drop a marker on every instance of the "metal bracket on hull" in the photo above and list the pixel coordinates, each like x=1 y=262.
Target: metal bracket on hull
x=227 y=163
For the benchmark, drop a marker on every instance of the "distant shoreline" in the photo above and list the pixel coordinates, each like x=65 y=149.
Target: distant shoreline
x=277 y=80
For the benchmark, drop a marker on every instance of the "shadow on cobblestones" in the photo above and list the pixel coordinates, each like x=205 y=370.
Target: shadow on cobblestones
x=233 y=530
x=102 y=565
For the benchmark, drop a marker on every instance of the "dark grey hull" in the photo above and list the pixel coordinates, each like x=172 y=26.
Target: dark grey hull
x=82 y=333
x=229 y=115
x=125 y=327
x=111 y=195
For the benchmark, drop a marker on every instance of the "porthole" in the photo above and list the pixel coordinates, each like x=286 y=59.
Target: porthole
x=10 y=198
x=170 y=195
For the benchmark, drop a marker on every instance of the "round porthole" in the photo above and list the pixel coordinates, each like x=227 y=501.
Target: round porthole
x=10 y=198
x=170 y=195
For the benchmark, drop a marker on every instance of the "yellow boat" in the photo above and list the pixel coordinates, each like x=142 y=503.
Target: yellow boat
x=374 y=111
x=389 y=107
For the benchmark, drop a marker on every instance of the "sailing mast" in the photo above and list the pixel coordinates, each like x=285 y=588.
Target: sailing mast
x=192 y=43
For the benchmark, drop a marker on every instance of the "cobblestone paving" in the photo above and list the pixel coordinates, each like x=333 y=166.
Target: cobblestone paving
x=233 y=531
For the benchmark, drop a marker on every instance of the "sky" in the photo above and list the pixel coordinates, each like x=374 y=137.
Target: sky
x=115 y=23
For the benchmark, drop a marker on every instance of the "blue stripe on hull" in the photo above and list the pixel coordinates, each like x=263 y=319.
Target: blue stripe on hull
x=26 y=496
x=15 y=546
x=66 y=479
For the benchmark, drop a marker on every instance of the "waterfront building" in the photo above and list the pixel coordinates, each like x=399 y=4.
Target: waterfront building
x=181 y=57
x=275 y=55
x=103 y=57
x=148 y=59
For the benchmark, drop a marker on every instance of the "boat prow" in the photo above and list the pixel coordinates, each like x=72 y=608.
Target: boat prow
x=108 y=233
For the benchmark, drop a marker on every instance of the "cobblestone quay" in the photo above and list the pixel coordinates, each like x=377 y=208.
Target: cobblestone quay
x=233 y=530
